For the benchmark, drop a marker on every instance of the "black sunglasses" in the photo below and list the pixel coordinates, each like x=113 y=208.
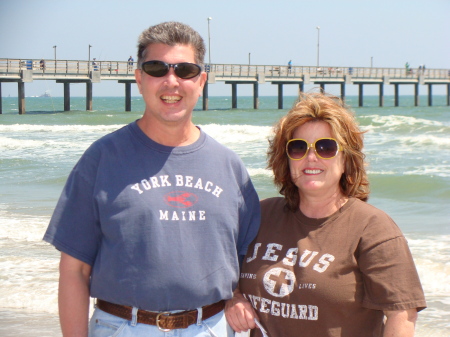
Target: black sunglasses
x=325 y=148
x=183 y=70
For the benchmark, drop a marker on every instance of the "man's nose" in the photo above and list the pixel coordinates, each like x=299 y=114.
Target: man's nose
x=171 y=78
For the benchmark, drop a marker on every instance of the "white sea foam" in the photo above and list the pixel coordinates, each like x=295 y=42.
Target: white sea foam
x=21 y=227
x=431 y=256
x=29 y=281
x=255 y=172
x=425 y=140
x=11 y=144
x=27 y=128
x=393 y=121
x=412 y=142
x=230 y=134
x=430 y=170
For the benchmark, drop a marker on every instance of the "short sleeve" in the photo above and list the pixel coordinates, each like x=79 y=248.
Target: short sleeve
x=74 y=228
x=391 y=281
x=249 y=217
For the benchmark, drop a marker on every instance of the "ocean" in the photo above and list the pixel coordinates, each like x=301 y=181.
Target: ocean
x=407 y=148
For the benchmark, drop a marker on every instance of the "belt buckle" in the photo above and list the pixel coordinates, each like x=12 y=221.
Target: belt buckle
x=158 y=318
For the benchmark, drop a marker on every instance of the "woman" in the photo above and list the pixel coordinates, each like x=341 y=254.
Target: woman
x=325 y=263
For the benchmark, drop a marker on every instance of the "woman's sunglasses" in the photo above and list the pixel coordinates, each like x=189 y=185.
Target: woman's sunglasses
x=325 y=148
x=183 y=70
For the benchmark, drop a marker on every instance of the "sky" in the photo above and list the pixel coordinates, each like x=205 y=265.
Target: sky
x=384 y=33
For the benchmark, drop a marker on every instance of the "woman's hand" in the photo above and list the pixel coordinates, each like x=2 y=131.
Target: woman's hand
x=239 y=313
x=400 y=323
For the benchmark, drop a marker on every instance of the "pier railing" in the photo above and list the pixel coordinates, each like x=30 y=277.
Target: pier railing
x=65 y=67
x=56 y=68
x=273 y=71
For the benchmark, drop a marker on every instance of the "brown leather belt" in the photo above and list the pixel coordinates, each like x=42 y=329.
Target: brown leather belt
x=165 y=321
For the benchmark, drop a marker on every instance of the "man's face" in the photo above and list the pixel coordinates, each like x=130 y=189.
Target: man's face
x=169 y=99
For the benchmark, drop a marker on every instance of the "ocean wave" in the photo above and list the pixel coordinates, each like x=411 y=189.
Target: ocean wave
x=31 y=281
x=32 y=227
x=410 y=143
x=425 y=170
x=433 y=265
x=260 y=172
x=399 y=120
x=229 y=134
x=426 y=139
x=75 y=128
x=23 y=144
x=431 y=170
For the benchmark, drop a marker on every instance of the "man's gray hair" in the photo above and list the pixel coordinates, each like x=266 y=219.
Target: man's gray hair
x=171 y=34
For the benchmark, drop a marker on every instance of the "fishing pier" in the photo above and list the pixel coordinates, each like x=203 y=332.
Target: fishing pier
x=66 y=72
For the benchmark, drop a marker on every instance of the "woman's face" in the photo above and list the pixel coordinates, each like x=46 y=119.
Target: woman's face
x=313 y=175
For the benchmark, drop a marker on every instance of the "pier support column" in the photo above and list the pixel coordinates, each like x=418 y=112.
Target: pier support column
x=381 y=95
x=343 y=91
x=280 y=96
x=430 y=94
x=416 y=94
x=360 y=94
x=448 y=95
x=205 y=97
x=301 y=86
x=21 y=97
x=255 y=96
x=1 y=103
x=233 y=96
x=128 y=96
x=88 y=96
x=395 y=94
x=66 y=96
x=322 y=87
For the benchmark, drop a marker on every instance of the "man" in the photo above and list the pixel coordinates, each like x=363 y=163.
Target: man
x=130 y=63
x=94 y=63
x=156 y=216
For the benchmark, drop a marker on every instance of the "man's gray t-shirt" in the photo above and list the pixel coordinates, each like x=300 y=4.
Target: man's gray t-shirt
x=161 y=226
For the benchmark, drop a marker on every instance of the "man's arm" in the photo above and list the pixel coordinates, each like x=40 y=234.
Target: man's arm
x=73 y=296
x=400 y=323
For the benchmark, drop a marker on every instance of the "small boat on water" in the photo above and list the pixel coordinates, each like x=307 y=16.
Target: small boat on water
x=46 y=94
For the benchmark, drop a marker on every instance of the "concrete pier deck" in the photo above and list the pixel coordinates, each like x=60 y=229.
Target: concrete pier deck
x=24 y=71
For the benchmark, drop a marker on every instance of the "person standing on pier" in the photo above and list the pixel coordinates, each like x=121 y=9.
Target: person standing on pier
x=130 y=63
x=42 y=64
x=156 y=217
x=94 y=64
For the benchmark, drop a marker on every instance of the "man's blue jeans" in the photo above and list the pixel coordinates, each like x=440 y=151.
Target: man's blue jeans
x=103 y=324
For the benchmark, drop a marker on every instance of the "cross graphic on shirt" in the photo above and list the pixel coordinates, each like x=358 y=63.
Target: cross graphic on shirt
x=279 y=281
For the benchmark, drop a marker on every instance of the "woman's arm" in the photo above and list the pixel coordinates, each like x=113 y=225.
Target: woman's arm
x=400 y=323
x=239 y=313
x=73 y=296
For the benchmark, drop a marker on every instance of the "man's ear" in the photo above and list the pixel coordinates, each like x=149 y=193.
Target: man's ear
x=138 y=77
x=203 y=78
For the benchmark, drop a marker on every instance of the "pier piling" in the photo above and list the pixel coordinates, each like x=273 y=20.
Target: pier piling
x=21 y=97
x=255 y=96
x=381 y=95
x=280 y=96
x=88 y=96
x=66 y=96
